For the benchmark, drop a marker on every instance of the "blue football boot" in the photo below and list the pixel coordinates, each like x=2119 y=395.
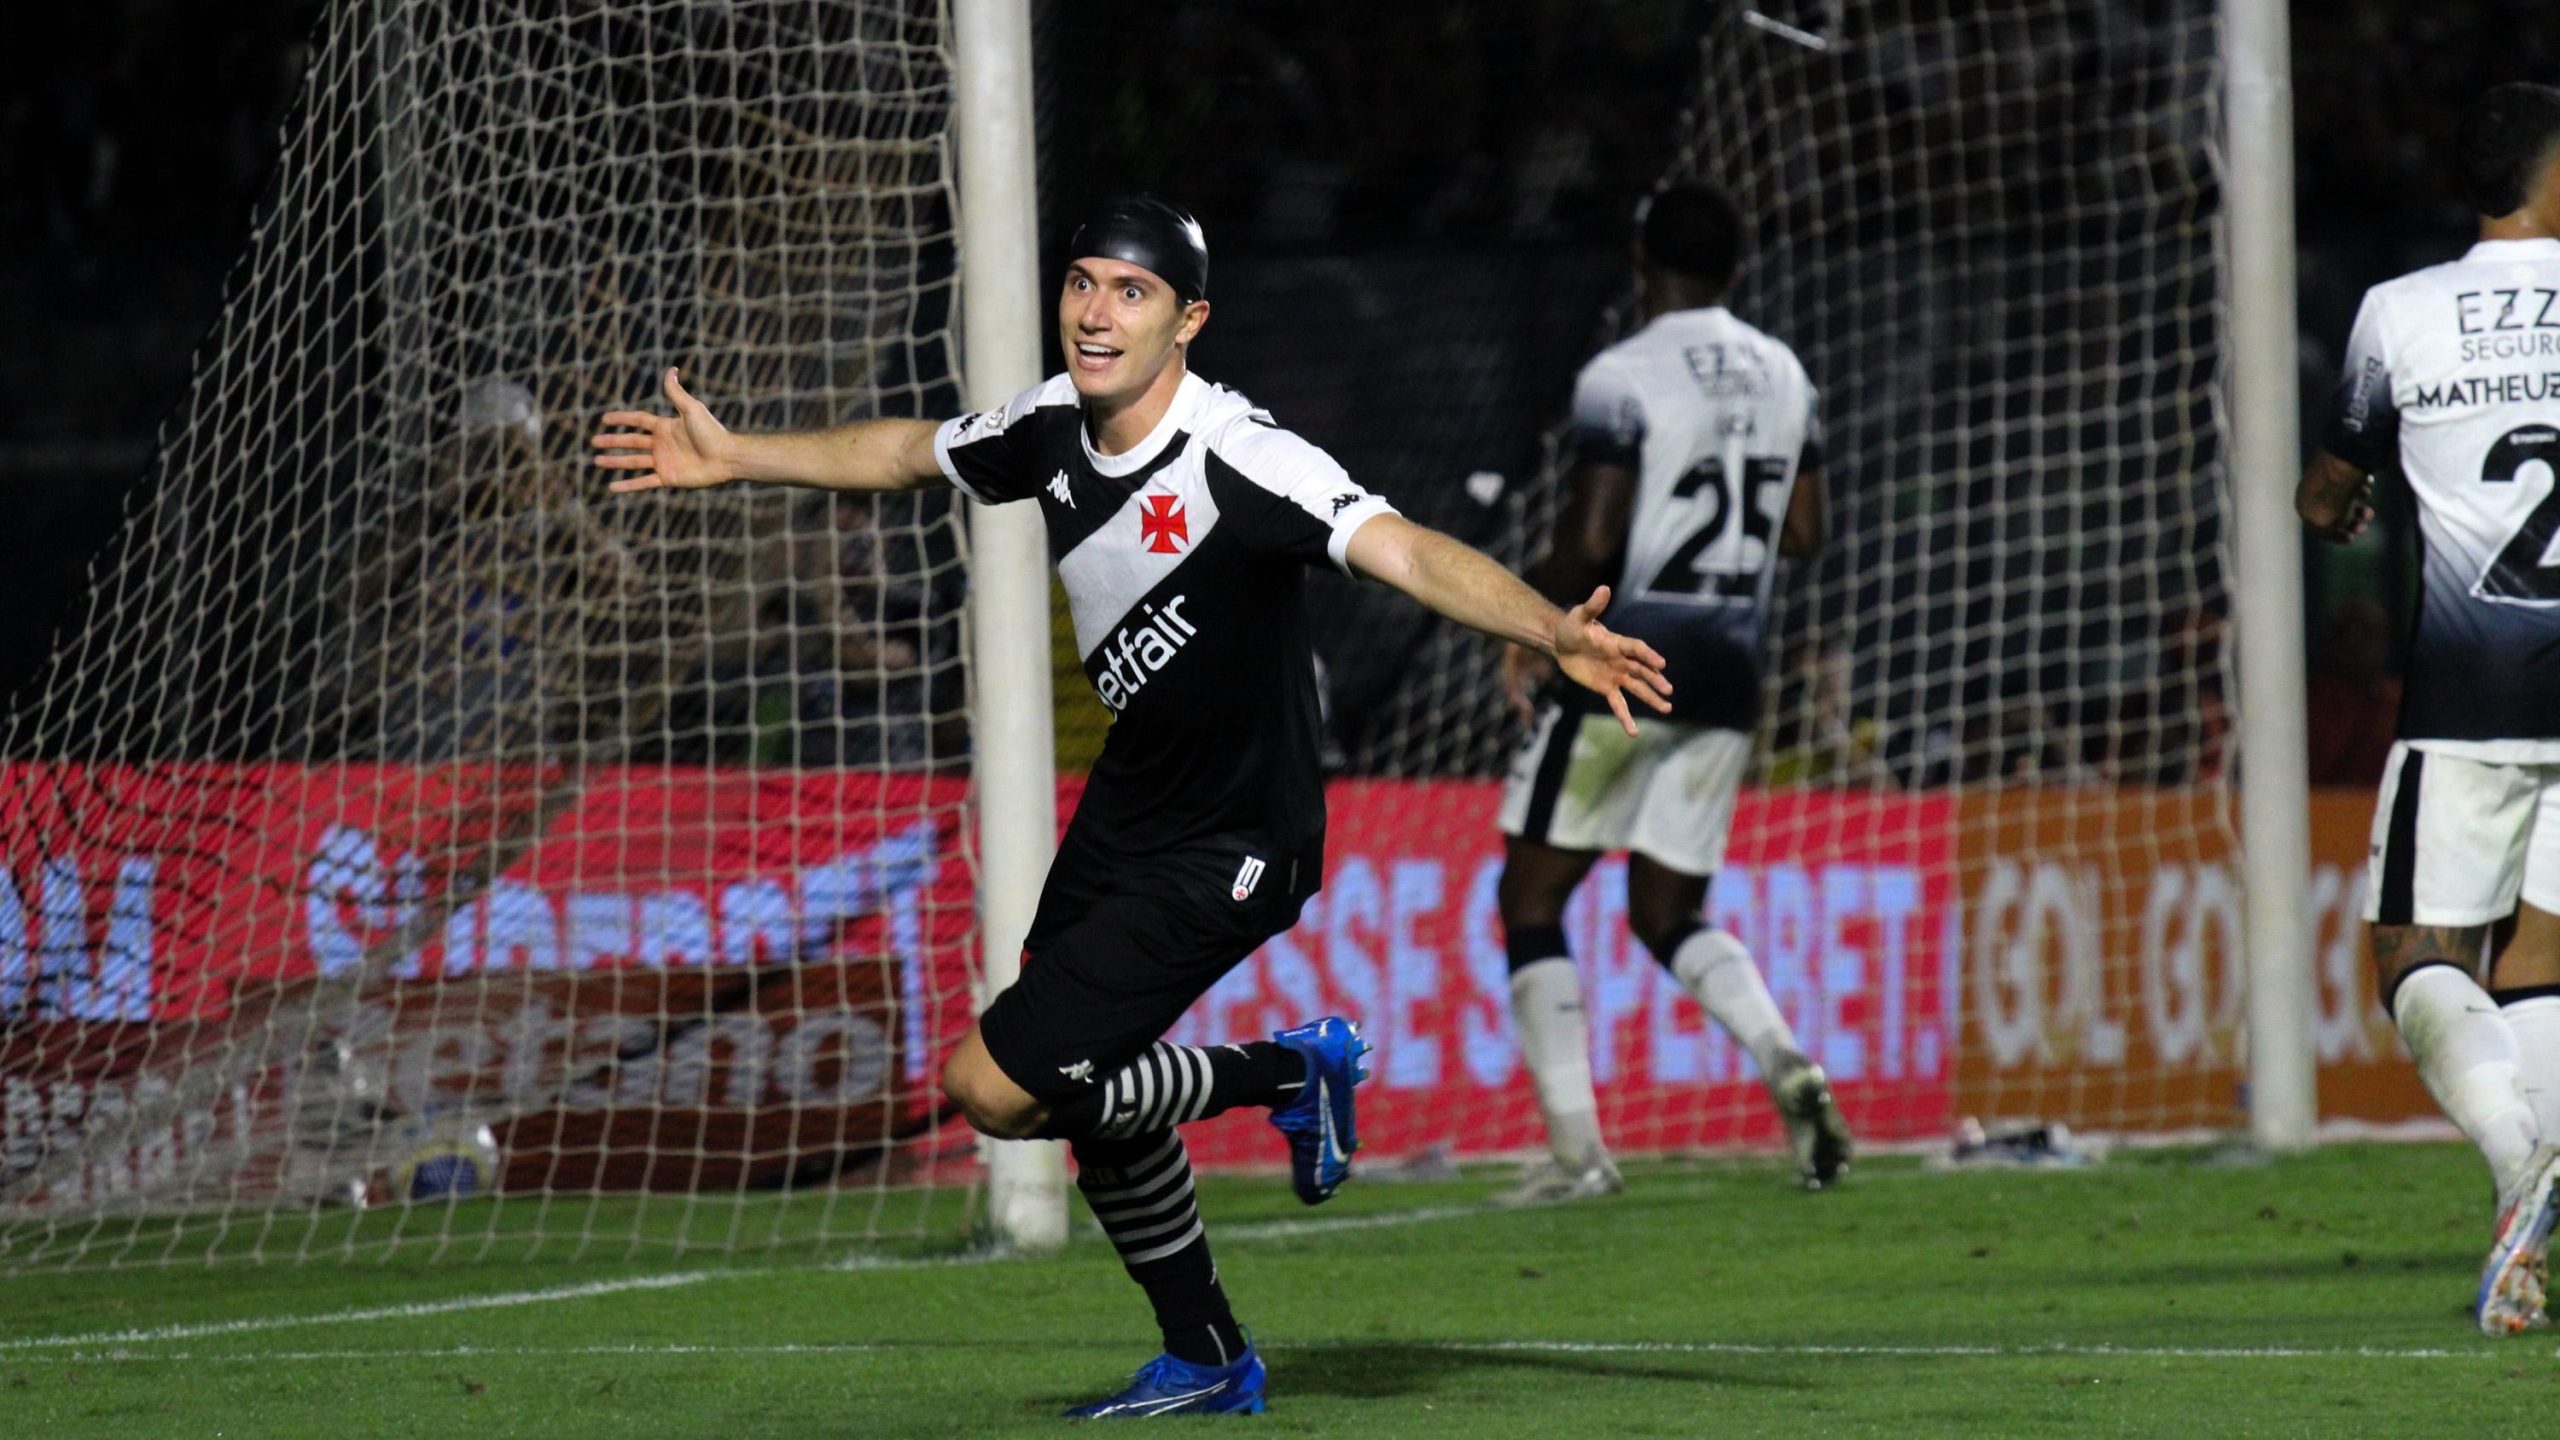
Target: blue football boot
x=1321 y=1124
x=1167 y=1386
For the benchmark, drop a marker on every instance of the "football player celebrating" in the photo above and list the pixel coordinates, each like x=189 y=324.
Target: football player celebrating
x=1181 y=520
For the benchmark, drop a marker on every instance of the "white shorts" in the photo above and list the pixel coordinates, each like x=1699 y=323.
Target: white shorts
x=1581 y=784
x=2457 y=841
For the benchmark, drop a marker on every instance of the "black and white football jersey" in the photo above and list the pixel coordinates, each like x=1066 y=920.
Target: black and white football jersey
x=1184 y=563
x=1716 y=418
x=2453 y=378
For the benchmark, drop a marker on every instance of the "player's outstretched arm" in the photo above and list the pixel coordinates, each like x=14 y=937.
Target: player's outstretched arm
x=1468 y=587
x=691 y=450
x=2335 y=498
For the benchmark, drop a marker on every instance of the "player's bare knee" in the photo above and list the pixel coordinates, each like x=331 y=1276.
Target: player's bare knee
x=1663 y=935
x=956 y=1086
x=1001 y=1122
x=999 y=1118
x=1662 y=922
x=993 y=1105
x=1527 y=906
x=1664 y=906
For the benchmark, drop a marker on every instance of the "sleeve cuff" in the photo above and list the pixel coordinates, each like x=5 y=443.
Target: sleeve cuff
x=2371 y=449
x=1337 y=546
x=950 y=469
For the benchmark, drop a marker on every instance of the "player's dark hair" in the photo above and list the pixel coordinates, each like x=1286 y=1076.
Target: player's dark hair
x=2501 y=142
x=1693 y=229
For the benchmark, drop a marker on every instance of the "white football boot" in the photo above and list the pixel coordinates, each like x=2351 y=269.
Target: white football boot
x=1552 y=1182
x=2511 y=1284
x=1816 y=1130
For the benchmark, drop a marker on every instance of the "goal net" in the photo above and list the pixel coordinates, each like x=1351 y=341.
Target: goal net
x=413 y=845
x=1987 y=859
x=412 y=848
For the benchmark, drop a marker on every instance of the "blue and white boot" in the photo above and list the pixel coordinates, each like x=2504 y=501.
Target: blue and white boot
x=1322 y=1123
x=1168 y=1386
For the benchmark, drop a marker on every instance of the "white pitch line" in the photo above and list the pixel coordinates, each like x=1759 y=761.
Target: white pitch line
x=451 y=1352
x=414 y=1310
x=461 y=1303
x=1458 y=1347
x=1262 y=1230
x=1382 y=1220
x=164 y=1334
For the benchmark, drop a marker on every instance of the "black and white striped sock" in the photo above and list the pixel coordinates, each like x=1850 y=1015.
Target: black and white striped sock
x=1169 y=1085
x=1140 y=1189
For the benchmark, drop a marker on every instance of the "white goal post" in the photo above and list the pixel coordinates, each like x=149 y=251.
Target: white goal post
x=2275 y=799
x=1000 y=356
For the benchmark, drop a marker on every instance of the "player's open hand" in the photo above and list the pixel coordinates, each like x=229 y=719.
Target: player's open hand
x=686 y=451
x=1607 y=663
x=1524 y=672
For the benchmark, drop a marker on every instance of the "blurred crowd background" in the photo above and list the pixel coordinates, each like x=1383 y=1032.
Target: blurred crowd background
x=1418 y=216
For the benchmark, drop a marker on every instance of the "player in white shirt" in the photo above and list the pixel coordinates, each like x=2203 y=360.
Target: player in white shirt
x=1697 y=464
x=2453 y=382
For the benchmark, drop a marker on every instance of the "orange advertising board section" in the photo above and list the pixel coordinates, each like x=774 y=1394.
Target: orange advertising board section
x=2101 y=978
x=2102 y=931
x=2365 y=1073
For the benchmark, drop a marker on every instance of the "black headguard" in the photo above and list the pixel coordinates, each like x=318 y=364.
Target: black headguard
x=1148 y=233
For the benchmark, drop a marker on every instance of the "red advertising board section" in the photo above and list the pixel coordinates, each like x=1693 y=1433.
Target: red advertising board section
x=140 y=900
x=607 y=1079
x=146 y=894
x=141 y=908
x=1406 y=936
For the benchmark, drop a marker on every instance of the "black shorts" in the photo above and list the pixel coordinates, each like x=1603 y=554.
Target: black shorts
x=1122 y=945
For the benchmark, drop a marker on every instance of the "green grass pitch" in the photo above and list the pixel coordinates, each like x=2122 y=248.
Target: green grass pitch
x=2159 y=1294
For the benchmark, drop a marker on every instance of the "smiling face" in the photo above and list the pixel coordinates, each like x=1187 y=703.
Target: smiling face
x=1121 y=327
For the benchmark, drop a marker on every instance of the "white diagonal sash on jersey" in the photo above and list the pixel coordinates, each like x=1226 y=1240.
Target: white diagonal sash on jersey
x=1111 y=570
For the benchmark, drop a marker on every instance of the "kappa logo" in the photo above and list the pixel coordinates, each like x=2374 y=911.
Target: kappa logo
x=1342 y=502
x=1061 y=490
x=1080 y=1072
x=1163 y=527
x=1248 y=875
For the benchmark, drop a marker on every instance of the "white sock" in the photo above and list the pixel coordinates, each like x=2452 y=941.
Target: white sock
x=2467 y=1057
x=1555 y=1041
x=1714 y=967
x=2535 y=1022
